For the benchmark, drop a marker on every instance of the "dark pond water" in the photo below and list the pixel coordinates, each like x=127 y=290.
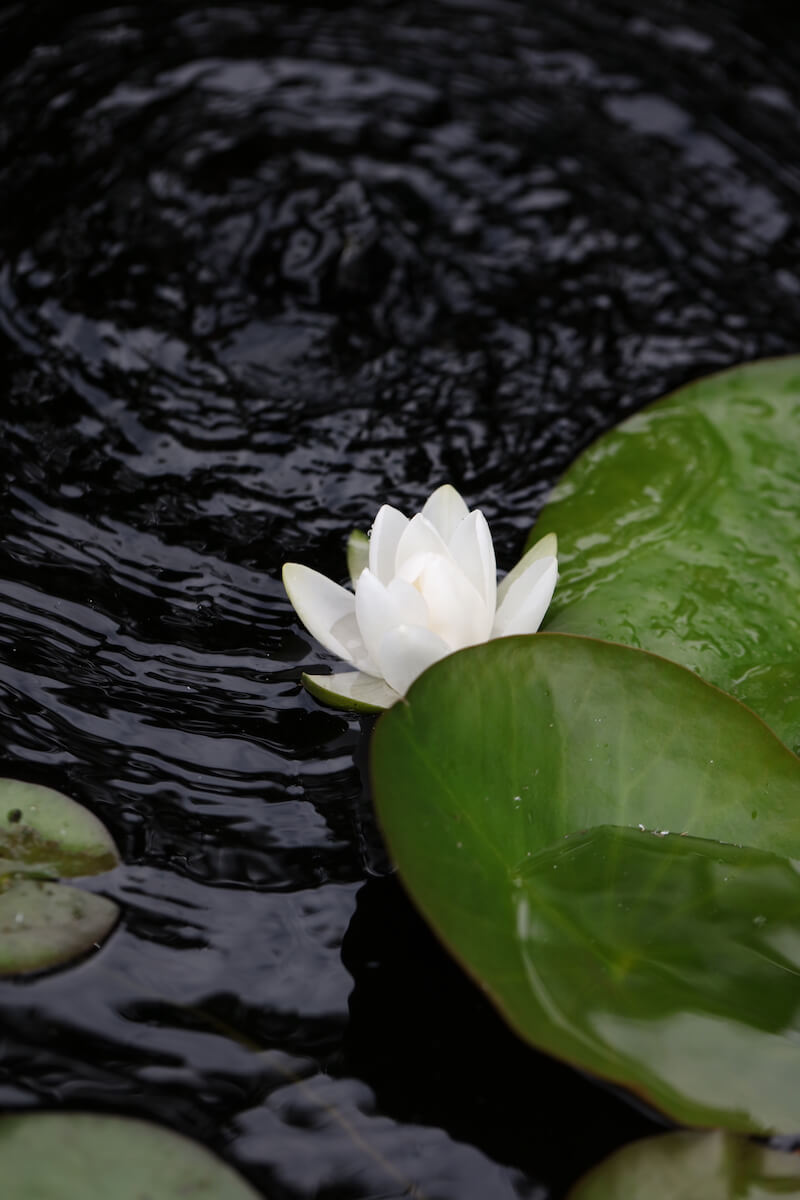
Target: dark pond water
x=263 y=267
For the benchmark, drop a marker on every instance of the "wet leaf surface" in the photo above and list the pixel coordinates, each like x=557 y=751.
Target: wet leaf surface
x=679 y=532
x=665 y=962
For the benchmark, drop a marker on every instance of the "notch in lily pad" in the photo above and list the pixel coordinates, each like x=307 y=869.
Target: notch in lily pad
x=44 y=838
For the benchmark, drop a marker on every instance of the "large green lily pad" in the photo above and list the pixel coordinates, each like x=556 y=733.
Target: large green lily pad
x=45 y=836
x=668 y=963
x=679 y=532
x=83 y=1156
x=693 y=1166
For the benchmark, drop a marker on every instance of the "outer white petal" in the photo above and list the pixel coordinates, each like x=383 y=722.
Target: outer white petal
x=419 y=537
x=445 y=509
x=472 y=548
x=527 y=600
x=328 y=613
x=386 y=532
x=375 y=612
x=406 y=652
x=457 y=611
x=353 y=690
x=546 y=547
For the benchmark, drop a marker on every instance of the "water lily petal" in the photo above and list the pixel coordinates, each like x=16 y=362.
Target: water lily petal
x=406 y=652
x=472 y=548
x=346 y=630
x=546 y=547
x=387 y=530
x=445 y=509
x=357 y=555
x=419 y=537
x=353 y=690
x=457 y=611
x=376 y=611
x=410 y=603
x=327 y=611
x=379 y=609
x=527 y=600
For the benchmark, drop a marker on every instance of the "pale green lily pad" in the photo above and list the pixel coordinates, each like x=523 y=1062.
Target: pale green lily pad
x=44 y=837
x=83 y=1156
x=43 y=833
x=692 y=1166
x=679 y=532
x=43 y=925
x=668 y=963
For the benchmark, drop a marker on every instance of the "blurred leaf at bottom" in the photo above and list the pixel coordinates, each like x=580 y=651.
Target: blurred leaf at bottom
x=692 y=1166
x=84 y=1156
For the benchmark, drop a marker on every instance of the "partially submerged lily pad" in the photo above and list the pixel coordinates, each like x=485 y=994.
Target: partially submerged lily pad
x=692 y=1166
x=43 y=925
x=665 y=962
x=84 y=1156
x=679 y=532
x=44 y=837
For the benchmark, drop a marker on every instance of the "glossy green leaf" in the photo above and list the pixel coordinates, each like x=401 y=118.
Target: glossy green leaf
x=693 y=1166
x=640 y=962
x=679 y=532
x=45 y=836
x=671 y=964
x=83 y=1156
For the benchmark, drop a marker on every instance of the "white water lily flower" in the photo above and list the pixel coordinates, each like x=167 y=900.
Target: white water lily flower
x=424 y=587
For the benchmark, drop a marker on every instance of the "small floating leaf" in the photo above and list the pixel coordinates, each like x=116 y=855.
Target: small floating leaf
x=667 y=963
x=692 y=1166
x=83 y=1156
x=679 y=532
x=45 y=836
x=42 y=831
x=43 y=925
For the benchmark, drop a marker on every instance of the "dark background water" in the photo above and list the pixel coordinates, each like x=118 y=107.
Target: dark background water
x=263 y=267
